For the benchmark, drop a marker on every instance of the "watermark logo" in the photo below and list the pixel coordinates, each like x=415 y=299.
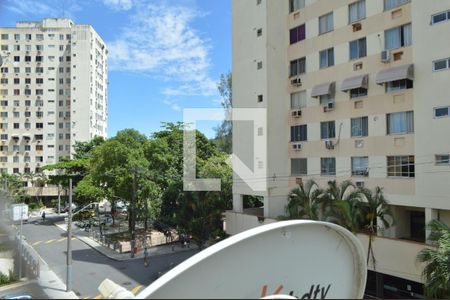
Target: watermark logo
x=254 y=179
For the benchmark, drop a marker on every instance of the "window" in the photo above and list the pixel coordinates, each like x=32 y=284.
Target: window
x=299 y=133
x=39 y=37
x=298 y=100
x=398 y=85
x=442 y=112
x=298 y=66
x=16 y=69
x=39 y=80
x=327 y=58
x=328 y=166
x=440 y=17
x=16 y=58
x=401 y=166
x=4 y=47
x=295 y=5
x=39 y=125
x=358 y=93
x=358 y=49
x=259 y=32
x=5 y=36
x=360 y=127
x=16 y=126
x=39 y=147
x=360 y=166
x=299 y=166
x=327 y=130
x=356 y=11
x=326 y=23
x=28 y=70
x=326 y=99
x=39 y=70
x=4 y=80
x=260 y=98
x=297 y=34
x=258 y=66
x=27 y=58
x=4 y=70
x=389 y=4
x=443 y=160
x=398 y=37
x=400 y=123
x=441 y=64
x=16 y=80
x=39 y=58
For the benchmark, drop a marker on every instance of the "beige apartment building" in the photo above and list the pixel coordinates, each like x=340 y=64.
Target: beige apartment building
x=355 y=90
x=53 y=92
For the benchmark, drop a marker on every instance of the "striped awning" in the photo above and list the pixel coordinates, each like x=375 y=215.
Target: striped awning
x=361 y=81
x=323 y=89
x=395 y=73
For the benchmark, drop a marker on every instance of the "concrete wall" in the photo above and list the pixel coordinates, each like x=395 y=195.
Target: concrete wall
x=236 y=222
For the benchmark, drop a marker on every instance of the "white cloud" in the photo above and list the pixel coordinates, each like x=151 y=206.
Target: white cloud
x=161 y=42
x=43 y=9
x=119 y=4
x=172 y=105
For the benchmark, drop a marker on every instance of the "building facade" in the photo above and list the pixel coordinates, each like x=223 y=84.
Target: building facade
x=353 y=90
x=53 y=92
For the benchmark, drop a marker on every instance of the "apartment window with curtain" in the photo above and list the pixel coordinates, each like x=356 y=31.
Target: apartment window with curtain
x=299 y=166
x=326 y=58
x=398 y=85
x=401 y=166
x=298 y=100
x=326 y=23
x=297 y=34
x=297 y=67
x=360 y=127
x=299 y=133
x=398 y=37
x=400 y=123
x=357 y=11
x=358 y=49
x=326 y=99
x=327 y=130
x=328 y=166
x=390 y=4
x=360 y=166
x=358 y=93
x=295 y=5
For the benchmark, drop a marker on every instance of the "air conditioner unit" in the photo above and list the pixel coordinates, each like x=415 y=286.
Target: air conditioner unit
x=385 y=56
x=296 y=81
x=356 y=27
x=359 y=184
x=297 y=146
x=296 y=113
x=328 y=107
x=329 y=145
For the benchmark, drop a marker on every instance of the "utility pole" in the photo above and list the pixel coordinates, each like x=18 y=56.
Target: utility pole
x=59 y=199
x=69 y=241
x=20 y=242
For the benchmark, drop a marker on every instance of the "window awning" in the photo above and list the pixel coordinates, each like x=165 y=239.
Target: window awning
x=361 y=81
x=15 y=136
x=26 y=136
x=396 y=73
x=323 y=89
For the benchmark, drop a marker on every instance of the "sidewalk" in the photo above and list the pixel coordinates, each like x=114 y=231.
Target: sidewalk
x=152 y=251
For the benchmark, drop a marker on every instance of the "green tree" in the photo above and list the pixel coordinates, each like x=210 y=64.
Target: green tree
x=375 y=208
x=437 y=261
x=305 y=201
x=224 y=132
x=14 y=188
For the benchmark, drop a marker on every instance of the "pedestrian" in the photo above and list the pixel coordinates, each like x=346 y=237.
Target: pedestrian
x=43 y=216
x=146 y=262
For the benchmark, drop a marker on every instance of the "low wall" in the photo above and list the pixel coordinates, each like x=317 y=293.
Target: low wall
x=6 y=265
x=237 y=222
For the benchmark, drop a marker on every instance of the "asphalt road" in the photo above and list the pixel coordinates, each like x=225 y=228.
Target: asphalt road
x=29 y=288
x=90 y=268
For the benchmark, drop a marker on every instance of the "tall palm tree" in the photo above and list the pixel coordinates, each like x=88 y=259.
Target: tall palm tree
x=375 y=208
x=437 y=269
x=305 y=201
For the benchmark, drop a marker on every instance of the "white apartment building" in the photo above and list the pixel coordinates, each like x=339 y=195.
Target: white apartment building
x=53 y=92
x=354 y=90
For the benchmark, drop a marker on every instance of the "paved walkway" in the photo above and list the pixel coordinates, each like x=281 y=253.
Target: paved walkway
x=152 y=251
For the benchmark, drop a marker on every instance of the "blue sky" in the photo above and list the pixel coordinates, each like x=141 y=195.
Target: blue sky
x=164 y=55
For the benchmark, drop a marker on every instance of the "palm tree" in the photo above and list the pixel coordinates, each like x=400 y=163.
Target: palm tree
x=437 y=269
x=342 y=204
x=305 y=201
x=375 y=208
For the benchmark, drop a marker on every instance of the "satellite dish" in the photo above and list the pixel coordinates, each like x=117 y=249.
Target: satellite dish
x=302 y=259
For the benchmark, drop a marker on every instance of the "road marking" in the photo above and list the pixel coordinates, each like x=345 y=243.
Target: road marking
x=73 y=239
x=49 y=241
x=63 y=239
x=36 y=243
x=99 y=296
x=137 y=289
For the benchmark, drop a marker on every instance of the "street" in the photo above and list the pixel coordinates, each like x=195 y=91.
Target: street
x=90 y=268
x=29 y=288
